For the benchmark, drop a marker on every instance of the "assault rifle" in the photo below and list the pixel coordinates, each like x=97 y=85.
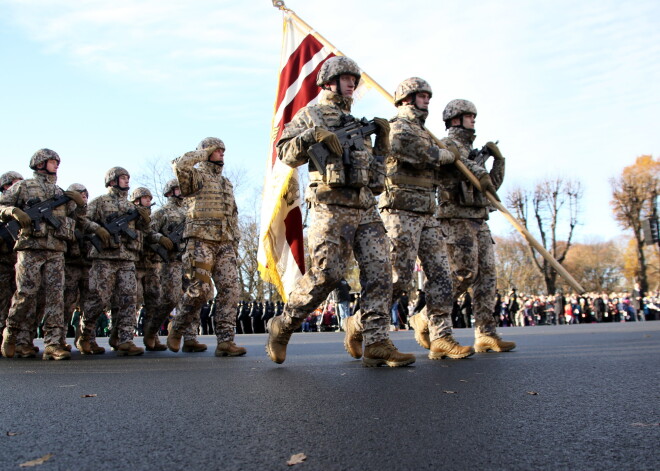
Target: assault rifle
x=351 y=137
x=176 y=236
x=480 y=156
x=116 y=227
x=39 y=211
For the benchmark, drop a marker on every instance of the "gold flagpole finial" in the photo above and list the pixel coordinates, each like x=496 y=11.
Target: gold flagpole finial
x=279 y=4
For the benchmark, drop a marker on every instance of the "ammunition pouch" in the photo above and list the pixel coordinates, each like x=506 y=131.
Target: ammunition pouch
x=377 y=175
x=408 y=200
x=66 y=231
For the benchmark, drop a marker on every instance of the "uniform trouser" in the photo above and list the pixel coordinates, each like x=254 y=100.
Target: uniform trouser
x=7 y=286
x=472 y=260
x=414 y=235
x=209 y=261
x=76 y=288
x=337 y=232
x=149 y=291
x=37 y=271
x=111 y=280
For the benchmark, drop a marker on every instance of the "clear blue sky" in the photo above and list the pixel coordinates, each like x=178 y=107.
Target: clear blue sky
x=568 y=87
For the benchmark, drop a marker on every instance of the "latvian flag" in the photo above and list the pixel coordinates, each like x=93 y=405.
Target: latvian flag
x=281 y=249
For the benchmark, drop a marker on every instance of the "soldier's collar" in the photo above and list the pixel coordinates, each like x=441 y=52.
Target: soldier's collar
x=328 y=97
x=412 y=113
x=462 y=135
x=44 y=177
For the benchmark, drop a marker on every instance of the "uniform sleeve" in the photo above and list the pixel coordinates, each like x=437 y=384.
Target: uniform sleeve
x=497 y=173
x=184 y=169
x=292 y=147
x=8 y=201
x=93 y=217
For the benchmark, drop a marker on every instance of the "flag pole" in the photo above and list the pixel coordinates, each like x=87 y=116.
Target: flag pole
x=460 y=165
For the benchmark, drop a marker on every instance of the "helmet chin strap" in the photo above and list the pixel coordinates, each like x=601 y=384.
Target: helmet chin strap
x=121 y=188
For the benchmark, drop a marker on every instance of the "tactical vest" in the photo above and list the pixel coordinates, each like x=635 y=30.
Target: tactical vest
x=212 y=209
x=108 y=207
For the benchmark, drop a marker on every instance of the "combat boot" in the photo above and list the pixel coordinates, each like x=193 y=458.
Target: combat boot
x=448 y=347
x=353 y=338
x=25 y=351
x=113 y=340
x=229 y=349
x=34 y=347
x=193 y=346
x=129 y=349
x=280 y=329
x=66 y=347
x=96 y=348
x=8 y=345
x=152 y=344
x=82 y=344
x=56 y=352
x=385 y=353
x=494 y=342
x=173 y=340
x=421 y=327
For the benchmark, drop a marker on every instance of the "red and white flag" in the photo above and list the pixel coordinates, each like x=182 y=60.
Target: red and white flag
x=281 y=255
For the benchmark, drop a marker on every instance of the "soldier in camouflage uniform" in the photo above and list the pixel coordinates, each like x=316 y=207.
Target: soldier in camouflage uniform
x=76 y=268
x=113 y=268
x=408 y=211
x=345 y=221
x=7 y=257
x=40 y=259
x=463 y=212
x=212 y=237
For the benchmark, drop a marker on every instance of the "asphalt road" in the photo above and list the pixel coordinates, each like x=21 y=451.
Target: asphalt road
x=568 y=398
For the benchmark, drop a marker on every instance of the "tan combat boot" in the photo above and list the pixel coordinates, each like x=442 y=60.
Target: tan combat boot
x=193 y=346
x=385 y=353
x=173 y=340
x=25 y=351
x=486 y=342
x=96 y=348
x=156 y=345
x=82 y=344
x=8 y=345
x=353 y=338
x=66 y=347
x=56 y=352
x=129 y=349
x=229 y=349
x=448 y=347
x=279 y=330
x=421 y=327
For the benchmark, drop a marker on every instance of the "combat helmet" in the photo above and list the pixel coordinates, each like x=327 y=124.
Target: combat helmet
x=8 y=177
x=41 y=156
x=211 y=142
x=114 y=173
x=139 y=192
x=457 y=108
x=170 y=186
x=79 y=187
x=411 y=86
x=336 y=66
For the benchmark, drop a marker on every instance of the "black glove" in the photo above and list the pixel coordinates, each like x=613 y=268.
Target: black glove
x=166 y=242
x=104 y=235
x=330 y=139
x=487 y=186
x=494 y=150
x=145 y=214
x=76 y=198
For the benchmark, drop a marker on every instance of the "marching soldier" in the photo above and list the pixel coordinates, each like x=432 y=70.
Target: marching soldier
x=408 y=211
x=7 y=256
x=40 y=259
x=463 y=212
x=113 y=267
x=345 y=220
x=212 y=236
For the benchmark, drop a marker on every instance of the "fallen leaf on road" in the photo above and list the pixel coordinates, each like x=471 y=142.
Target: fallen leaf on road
x=639 y=424
x=37 y=462
x=88 y=395
x=450 y=392
x=12 y=434
x=296 y=459
x=463 y=380
x=532 y=393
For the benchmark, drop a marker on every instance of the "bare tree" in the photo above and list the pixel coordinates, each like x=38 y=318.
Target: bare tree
x=634 y=196
x=515 y=269
x=155 y=172
x=553 y=203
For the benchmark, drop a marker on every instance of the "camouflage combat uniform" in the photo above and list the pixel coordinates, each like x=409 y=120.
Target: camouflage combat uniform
x=76 y=277
x=7 y=280
x=113 y=269
x=407 y=207
x=463 y=212
x=39 y=265
x=212 y=237
x=345 y=221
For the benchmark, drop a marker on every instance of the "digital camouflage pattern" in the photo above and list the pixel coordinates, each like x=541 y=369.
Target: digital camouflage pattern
x=7 y=284
x=410 y=86
x=212 y=213
x=209 y=142
x=336 y=66
x=205 y=261
x=456 y=108
x=114 y=173
x=41 y=156
x=345 y=222
x=112 y=283
x=8 y=177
